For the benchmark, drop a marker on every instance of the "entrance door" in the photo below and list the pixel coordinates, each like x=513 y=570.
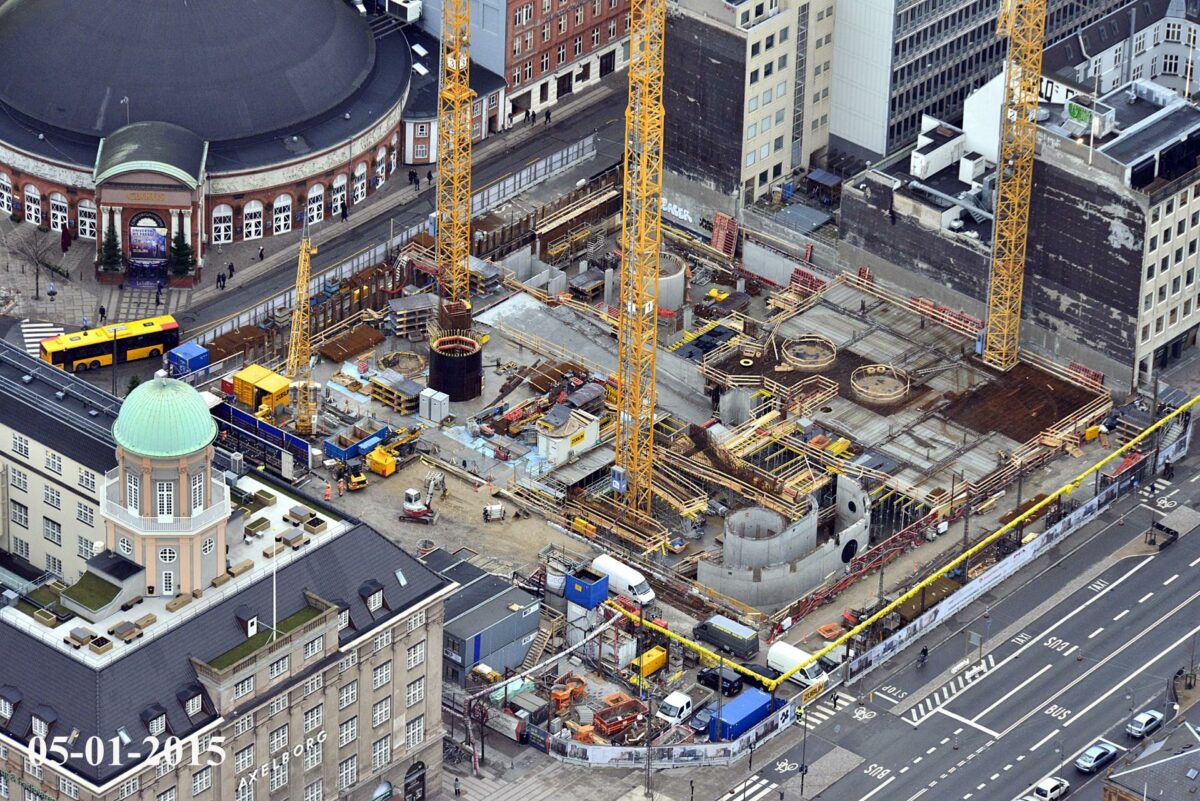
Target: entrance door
x=168 y=582
x=565 y=84
x=608 y=63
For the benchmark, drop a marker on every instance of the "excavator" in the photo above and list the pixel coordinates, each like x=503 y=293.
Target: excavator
x=418 y=508
x=386 y=458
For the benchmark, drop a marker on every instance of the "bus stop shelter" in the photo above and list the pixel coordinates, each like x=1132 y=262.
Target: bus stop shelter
x=1175 y=524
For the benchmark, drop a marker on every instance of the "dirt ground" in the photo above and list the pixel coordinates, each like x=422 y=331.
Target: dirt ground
x=511 y=544
x=1019 y=404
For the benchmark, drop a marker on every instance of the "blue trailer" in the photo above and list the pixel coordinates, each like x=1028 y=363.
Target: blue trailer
x=741 y=714
x=187 y=358
x=587 y=588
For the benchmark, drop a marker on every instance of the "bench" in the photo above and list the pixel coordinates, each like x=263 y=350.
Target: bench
x=178 y=603
x=145 y=621
x=298 y=514
x=298 y=545
x=221 y=579
x=271 y=550
x=241 y=567
x=132 y=602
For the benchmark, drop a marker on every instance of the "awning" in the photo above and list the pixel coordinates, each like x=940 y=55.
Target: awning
x=825 y=178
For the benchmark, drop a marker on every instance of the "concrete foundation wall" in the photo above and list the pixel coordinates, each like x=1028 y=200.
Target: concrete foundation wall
x=768 y=588
x=687 y=198
x=770 y=265
x=757 y=537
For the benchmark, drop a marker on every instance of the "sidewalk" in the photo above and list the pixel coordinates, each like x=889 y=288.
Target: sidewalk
x=81 y=294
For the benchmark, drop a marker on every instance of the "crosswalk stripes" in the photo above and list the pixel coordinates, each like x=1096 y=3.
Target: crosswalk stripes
x=823 y=710
x=1150 y=490
x=944 y=694
x=32 y=334
x=752 y=789
x=1097 y=585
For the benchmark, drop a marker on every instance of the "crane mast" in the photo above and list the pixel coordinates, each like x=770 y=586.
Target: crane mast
x=641 y=240
x=299 y=361
x=1024 y=23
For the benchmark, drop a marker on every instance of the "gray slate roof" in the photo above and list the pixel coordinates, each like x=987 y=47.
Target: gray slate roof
x=224 y=69
x=98 y=702
x=152 y=142
x=422 y=101
x=1161 y=770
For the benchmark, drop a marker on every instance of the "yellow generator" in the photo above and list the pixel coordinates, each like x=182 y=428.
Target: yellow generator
x=381 y=462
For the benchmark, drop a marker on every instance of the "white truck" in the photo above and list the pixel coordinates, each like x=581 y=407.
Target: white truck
x=681 y=705
x=624 y=580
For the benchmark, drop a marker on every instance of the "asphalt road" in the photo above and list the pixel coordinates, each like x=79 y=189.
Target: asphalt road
x=603 y=119
x=981 y=729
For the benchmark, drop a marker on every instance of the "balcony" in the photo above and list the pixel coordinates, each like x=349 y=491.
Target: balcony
x=111 y=508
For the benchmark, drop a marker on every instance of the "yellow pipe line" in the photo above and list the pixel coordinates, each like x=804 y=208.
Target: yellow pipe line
x=1065 y=489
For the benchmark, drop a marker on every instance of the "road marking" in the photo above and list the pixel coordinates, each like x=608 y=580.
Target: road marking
x=1097 y=585
x=1132 y=676
x=886 y=697
x=1008 y=766
x=1194 y=562
x=1118 y=617
x=944 y=741
x=752 y=789
x=905 y=770
x=1021 y=757
x=1022 y=638
x=931 y=750
x=1172 y=578
x=959 y=730
x=980 y=787
x=1071 y=650
x=994 y=777
x=1192 y=480
x=957 y=666
x=970 y=723
x=918 y=759
x=1150 y=508
x=1145 y=598
x=1042 y=741
x=1094 y=633
x=968 y=795
x=885 y=783
x=1013 y=692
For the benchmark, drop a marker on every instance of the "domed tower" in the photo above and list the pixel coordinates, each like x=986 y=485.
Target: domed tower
x=163 y=508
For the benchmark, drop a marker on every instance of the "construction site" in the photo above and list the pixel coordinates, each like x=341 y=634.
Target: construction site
x=641 y=463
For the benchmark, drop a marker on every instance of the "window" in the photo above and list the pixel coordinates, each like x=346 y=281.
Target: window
x=40 y=729
x=201 y=781
x=348 y=661
x=6 y=708
x=278 y=667
x=579 y=16
x=375 y=601
x=578 y=47
x=158 y=725
x=314 y=684
x=6 y=198
x=197 y=492
x=348 y=731
x=416 y=655
x=18 y=479
x=51 y=497
x=167 y=795
x=382 y=640
x=244 y=759
x=164 y=767
x=1174 y=29
x=347 y=695
x=20 y=445
x=222 y=234
x=3 y=786
x=417 y=620
x=752 y=131
x=133 y=493
x=562 y=53
x=54 y=565
x=313 y=717
x=279 y=775
x=414 y=732
x=52 y=530
x=360 y=184
x=343 y=618
x=243 y=687
x=314 y=647
x=347 y=773
x=421 y=151
x=279 y=703
x=1171 y=64
x=129 y=787
x=54 y=462
x=85 y=514
x=314 y=792
x=252 y=220
x=381 y=711
x=279 y=738
x=21 y=548
x=68 y=788
x=750 y=157
x=612 y=29
x=33 y=205
x=381 y=752
x=243 y=724
x=32 y=769
x=194 y=705
x=753 y=76
x=316 y=203
x=208 y=546
x=595 y=37
x=562 y=24
x=415 y=692
x=164 y=494
x=19 y=514
x=244 y=792
x=313 y=754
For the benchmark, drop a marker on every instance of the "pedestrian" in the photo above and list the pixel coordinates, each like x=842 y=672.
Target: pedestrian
x=103 y=314
x=429 y=178
x=221 y=280
x=341 y=486
x=158 y=297
x=508 y=122
x=526 y=115
x=345 y=213
x=547 y=116
x=231 y=269
x=260 y=253
x=328 y=490
x=533 y=117
x=457 y=787
x=85 y=330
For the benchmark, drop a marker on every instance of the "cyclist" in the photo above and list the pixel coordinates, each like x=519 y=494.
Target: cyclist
x=924 y=655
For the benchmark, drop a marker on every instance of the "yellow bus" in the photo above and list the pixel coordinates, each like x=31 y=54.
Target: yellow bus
x=126 y=342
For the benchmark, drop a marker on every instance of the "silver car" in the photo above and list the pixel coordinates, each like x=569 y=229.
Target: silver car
x=1144 y=723
x=1096 y=757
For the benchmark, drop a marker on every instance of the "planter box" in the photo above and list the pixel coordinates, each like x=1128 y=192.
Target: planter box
x=258 y=525
x=47 y=619
x=267 y=498
x=100 y=645
x=315 y=526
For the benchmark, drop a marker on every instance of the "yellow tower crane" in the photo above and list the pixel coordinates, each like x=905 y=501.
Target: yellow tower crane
x=299 y=360
x=641 y=240
x=455 y=102
x=1024 y=23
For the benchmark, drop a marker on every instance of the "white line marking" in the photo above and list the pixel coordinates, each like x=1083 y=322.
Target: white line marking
x=1132 y=676
x=980 y=787
x=1021 y=757
x=905 y=769
x=1172 y=492
x=1172 y=578
x=1013 y=692
x=994 y=777
x=1145 y=598
x=1195 y=561
x=931 y=750
x=886 y=697
x=918 y=759
x=1008 y=766
x=968 y=795
x=1094 y=633
x=944 y=741
x=1071 y=650
x=1118 y=617
x=970 y=723
x=918 y=793
x=958 y=730
x=1192 y=480
x=957 y=666
x=1042 y=741
x=886 y=782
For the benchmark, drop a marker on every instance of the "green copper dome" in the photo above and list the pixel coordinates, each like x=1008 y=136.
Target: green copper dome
x=164 y=419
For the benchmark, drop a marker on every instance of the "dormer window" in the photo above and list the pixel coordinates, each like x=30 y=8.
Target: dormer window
x=371 y=593
x=375 y=601
x=6 y=708
x=40 y=727
x=343 y=619
x=194 y=705
x=157 y=726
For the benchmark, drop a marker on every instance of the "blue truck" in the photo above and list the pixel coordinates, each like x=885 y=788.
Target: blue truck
x=741 y=714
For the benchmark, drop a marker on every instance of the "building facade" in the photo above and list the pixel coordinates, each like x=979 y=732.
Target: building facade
x=309 y=668
x=897 y=60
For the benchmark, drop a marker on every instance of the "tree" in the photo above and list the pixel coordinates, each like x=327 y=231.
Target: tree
x=110 y=252
x=35 y=248
x=182 y=259
x=134 y=381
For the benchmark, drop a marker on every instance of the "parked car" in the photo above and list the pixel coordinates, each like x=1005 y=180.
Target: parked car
x=762 y=670
x=727 y=680
x=1144 y=723
x=700 y=721
x=1097 y=756
x=1050 y=789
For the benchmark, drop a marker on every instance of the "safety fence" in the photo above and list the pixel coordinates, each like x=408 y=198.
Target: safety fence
x=484 y=200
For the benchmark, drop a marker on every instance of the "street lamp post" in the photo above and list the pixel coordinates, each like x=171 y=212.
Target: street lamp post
x=804 y=752
x=113 y=331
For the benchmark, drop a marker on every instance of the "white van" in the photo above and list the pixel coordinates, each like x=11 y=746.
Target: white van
x=623 y=579
x=784 y=657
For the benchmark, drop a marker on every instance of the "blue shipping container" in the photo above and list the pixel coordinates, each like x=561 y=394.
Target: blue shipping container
x=739 y=715
x=587 y=588
x=187 y=358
